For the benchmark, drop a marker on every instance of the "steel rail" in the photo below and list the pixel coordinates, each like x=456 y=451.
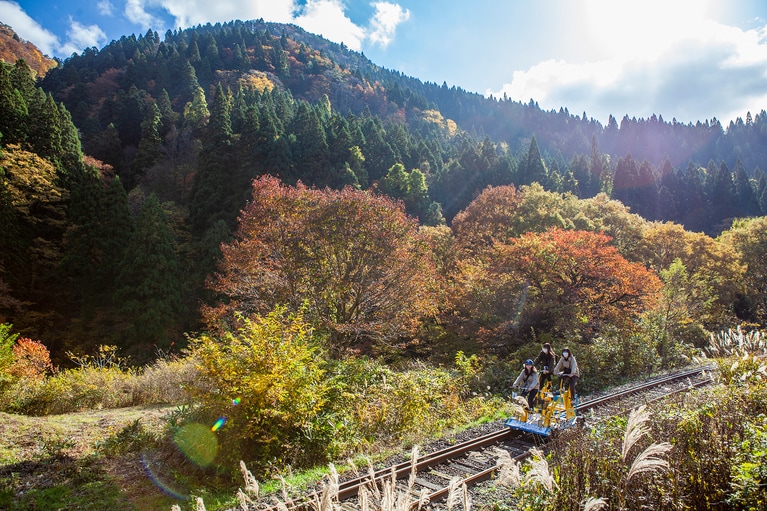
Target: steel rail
x=350 y=488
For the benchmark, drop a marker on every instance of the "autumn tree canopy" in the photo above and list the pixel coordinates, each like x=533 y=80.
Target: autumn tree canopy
x=573 y=283
x=354 y=261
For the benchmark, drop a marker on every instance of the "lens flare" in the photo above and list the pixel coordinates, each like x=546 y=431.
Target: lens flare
x=236 y=401
x=155 y=477
x=218 y=424
x=198 y=443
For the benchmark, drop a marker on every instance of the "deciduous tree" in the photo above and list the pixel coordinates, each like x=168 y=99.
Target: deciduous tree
x=355 y=259
x=575 y=282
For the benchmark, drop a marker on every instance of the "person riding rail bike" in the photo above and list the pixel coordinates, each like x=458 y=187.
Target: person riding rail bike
x=527 y=382
x=567 y=367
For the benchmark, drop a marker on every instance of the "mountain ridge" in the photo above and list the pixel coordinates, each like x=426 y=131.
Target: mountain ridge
x=12 y=48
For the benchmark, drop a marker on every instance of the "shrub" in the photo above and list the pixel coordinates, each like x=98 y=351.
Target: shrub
x=75 y=390
x=166 y=380
x=7 y=340
x=30 y=359
x=749 y=470
x=266 y=381
x=374 y=405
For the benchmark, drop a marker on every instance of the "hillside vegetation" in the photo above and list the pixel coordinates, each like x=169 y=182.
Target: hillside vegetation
x=12 y=48
x=126 y=168
x=308 y=257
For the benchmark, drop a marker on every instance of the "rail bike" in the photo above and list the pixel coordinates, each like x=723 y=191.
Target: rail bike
x=554 y=411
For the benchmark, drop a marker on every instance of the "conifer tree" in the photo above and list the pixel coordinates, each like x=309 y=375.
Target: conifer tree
x=196 y=111
x=167 y=115
x=722 y=197
x=310 y=150
x=45 y=127
x=13 y=109
x=149 y=283
x=533 y=171
x=71 y=148
x=148 y=152
x=748 y=204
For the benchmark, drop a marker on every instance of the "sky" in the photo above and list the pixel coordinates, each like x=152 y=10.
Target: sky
x=689 y=60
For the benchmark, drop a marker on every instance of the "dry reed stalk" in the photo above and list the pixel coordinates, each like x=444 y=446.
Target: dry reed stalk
x=199 y=505
x=363 y=497
x=539 y=471
x=283 y=487
x=508 y=469
x=353 y=467
x=251 y=485
x=635 y=429
x=329 y=498
x=650 y=460
x=423 y=499
x=466 y=498
x=413 y=465
x=453 y=493
x=244 y=500
x=595 y=504
x=373 y=486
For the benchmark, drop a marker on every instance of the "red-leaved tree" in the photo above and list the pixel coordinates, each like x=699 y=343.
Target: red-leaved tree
x=574 y=282
x=354 y=261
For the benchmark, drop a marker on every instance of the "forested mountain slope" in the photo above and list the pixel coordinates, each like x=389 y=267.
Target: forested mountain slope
x=12 y=48
x=117 y=244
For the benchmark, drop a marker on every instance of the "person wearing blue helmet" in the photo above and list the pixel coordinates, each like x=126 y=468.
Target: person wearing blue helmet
x=527 y=382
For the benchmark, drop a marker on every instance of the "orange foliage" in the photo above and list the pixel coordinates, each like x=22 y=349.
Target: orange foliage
x=356 y=260
x=488 y=218
x=577 y=280
x=30 y=359
x=13 y=48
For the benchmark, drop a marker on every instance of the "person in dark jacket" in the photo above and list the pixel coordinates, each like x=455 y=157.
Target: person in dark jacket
x=546 y=360
x=527 y=382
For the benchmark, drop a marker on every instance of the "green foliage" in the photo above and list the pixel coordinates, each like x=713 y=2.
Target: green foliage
x=132 y=438
x=149 y=283
x=749 y=470
x=7 y=340
x=267 y=380
x=614 y=358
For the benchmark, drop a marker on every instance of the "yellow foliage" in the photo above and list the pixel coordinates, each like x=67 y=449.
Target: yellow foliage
x=433 y=116
x=267 y=380
x=452 y=127
x=257 y=80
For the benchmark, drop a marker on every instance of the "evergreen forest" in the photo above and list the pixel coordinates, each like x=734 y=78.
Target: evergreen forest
x=139 y=182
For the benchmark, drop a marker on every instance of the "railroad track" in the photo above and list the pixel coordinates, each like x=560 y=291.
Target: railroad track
x=470 y=462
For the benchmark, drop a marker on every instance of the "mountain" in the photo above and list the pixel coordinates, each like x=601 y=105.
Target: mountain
x=12 y=48
x=119 y=243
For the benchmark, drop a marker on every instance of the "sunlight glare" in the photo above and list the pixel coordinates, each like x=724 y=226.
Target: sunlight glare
x=643 y=30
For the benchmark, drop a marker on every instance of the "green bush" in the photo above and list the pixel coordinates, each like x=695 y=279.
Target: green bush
x=101 y=381
x=74 y=390
x=7 y=340
x=267 y=382
x=749 y=470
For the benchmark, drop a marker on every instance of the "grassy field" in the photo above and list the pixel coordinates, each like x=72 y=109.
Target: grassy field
x=74 y=461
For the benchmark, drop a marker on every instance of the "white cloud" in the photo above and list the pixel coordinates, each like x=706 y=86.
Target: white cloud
x=105 y=7
x=188 y=13
x=81 y=37
x=385 y=22
x=327 y=18
x=135 y=11
x=27 y=28
x=702 y=71
x=324 y=17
